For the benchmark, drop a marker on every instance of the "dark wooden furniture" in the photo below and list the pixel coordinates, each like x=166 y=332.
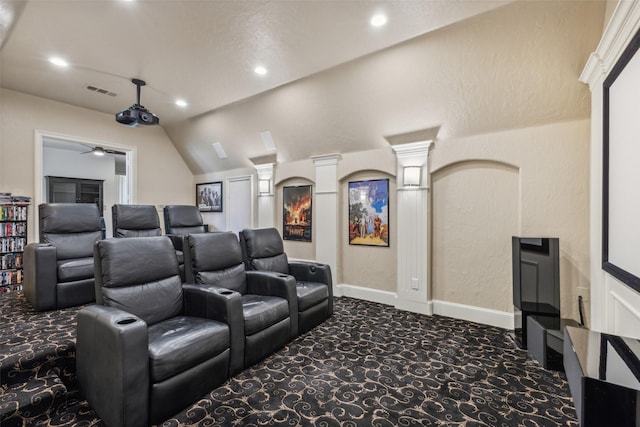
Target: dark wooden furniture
x=75 y=190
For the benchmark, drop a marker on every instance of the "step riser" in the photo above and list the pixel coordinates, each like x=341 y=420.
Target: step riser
x=22 y=404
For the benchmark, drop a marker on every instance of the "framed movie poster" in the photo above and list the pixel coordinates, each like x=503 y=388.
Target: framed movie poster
x=209 y=196
x=369 y=212
x=296 y=213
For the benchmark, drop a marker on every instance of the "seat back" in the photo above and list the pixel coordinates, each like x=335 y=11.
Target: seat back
x=183 y=219
x=215 y=259
x=72 y=228
x=139 y=275
x=135 y=221
x=262 y=249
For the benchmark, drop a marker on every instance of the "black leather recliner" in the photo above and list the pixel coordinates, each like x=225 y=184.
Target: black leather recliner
x=263 y=249
x=135 y=221
x=269 y=303
x=151 y=345
x=183 y=219
x=180 y=221
x=58 y=271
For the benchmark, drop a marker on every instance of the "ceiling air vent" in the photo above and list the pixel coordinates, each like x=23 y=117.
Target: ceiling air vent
x=102 y=91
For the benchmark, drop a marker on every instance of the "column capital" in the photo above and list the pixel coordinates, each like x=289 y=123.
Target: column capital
x=412 y=149
x=326 y=159
x=265 y=171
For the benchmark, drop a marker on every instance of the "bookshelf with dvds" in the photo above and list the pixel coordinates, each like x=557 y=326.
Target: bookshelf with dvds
x=13 y=239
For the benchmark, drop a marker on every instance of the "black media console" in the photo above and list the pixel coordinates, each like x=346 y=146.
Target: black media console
x=604 y=377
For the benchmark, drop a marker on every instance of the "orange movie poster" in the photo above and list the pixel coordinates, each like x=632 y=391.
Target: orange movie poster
x=296 y=214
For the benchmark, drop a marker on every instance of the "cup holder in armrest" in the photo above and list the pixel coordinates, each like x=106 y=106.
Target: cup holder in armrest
x=126 y=321
x=283 y=275
x=226 y=292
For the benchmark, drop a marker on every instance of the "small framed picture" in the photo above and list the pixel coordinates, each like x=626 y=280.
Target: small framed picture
x=209 y=196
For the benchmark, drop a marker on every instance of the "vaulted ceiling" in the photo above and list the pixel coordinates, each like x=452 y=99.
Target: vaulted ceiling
x=334 y=83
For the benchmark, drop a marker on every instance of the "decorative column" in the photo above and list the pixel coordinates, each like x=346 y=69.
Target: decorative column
x=266 y=196
x=413 y=290
x=326 y=207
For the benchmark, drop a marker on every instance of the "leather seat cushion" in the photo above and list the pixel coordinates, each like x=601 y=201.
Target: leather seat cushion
x=310 y=294
x=182 y=342
x=260 y=312
x=75 y=269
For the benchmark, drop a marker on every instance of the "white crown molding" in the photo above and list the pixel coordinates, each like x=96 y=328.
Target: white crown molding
x=623 y=25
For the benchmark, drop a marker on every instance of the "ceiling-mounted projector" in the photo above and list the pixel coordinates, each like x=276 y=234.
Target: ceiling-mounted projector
x=137 y=114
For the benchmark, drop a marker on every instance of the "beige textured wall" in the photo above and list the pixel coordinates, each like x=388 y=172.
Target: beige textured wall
x=162 y=175
x=478 y=203
x=474 y=207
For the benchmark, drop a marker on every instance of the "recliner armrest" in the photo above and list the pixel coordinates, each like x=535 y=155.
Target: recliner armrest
x=310 y=272
x=112 y=364
x=313 y=272
x=223 y=305
x=177 y=240
x=41 y=276
x=275 y=284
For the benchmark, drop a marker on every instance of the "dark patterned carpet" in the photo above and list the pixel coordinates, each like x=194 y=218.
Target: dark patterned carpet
x=369 y=365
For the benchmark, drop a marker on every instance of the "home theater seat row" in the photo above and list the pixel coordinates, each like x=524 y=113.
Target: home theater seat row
x=154 y=343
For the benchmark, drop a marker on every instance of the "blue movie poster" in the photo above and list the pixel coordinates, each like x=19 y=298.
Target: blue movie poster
x=369 y=213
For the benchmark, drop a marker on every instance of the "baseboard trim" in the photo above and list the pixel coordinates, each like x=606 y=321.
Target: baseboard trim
x=486 y=316
x=415 y=307
x=367 y=294
x=500 y=319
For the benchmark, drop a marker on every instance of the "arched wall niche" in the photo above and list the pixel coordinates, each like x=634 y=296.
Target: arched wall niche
x=475 y=209
x=367 y=266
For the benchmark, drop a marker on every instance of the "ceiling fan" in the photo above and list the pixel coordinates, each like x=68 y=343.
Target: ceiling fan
x=101 y=151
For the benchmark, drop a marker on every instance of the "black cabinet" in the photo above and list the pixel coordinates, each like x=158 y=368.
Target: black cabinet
x=536 y=281
x=74 y=190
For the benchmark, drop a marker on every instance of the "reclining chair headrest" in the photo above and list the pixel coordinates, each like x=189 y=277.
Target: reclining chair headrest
x=63 y=218
x=215 y=251
x=135 y=221
x=263 y=242
x=185 y=217
x=264 y=250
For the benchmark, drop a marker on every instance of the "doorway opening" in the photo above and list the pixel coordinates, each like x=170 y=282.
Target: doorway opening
x=64 y=163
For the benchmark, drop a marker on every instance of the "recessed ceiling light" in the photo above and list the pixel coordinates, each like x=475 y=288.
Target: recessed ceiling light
x=260 y=70
x=378 y=20
x=181 y=103
x=58 y=61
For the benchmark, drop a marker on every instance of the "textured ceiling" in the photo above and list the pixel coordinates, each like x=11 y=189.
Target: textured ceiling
x=335 y=83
